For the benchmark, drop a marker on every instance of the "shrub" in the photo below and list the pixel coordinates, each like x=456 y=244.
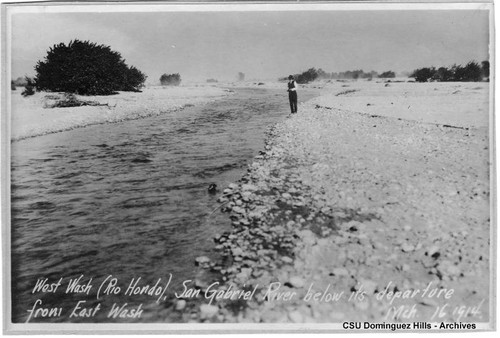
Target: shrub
x=472 y=71
x=12 y=85
x=29 y=89
x=458 y=72
x=70 y=100
x=423 y=74
x=308 y=76
x=387 y=75
x=86 y=68
x=170 y=79
x=241 y=76
x=212 y=81
x=443 y=74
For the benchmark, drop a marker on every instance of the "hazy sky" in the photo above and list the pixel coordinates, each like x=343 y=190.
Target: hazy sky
x=263 y=45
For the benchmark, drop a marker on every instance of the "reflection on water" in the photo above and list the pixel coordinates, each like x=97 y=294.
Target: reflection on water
x=128 y=199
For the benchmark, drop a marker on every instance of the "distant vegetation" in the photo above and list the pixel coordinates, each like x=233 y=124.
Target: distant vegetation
x=241 y=76
x=313 y=74
x=471 y=72
x=23 y=82
x=212 y=81
x=170 y=79
x=308 y=76
x=354 y=74
x=387 y=75
x=85 y=68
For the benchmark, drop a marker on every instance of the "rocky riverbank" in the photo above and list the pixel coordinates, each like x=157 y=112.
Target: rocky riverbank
x=350 y=216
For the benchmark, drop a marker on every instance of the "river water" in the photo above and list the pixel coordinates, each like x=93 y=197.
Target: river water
x=127 y=200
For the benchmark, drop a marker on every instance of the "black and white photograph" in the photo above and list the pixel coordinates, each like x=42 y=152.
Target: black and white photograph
x=248 y=167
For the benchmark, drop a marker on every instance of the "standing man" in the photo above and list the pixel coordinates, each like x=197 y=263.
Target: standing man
x=292 y=94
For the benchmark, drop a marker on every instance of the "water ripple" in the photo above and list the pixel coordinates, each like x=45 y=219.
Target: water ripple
x=129 y=199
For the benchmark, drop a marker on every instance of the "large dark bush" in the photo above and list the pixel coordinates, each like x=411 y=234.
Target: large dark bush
x=85 y=68
x=170 y=79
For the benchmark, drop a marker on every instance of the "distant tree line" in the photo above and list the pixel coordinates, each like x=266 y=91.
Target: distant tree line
x=354 y=74
x=319 y=74
x=170 y=79
x=471 y=72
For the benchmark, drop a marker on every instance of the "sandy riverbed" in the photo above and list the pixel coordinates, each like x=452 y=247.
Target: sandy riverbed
x=31 y=116
x=355 y=201
x=457 y=104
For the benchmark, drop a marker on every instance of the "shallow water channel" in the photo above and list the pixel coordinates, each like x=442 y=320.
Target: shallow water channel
x=116 y=202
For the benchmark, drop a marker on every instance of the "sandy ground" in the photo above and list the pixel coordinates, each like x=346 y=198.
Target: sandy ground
x=366 y=216
x=31 y=116
x=456 y=104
